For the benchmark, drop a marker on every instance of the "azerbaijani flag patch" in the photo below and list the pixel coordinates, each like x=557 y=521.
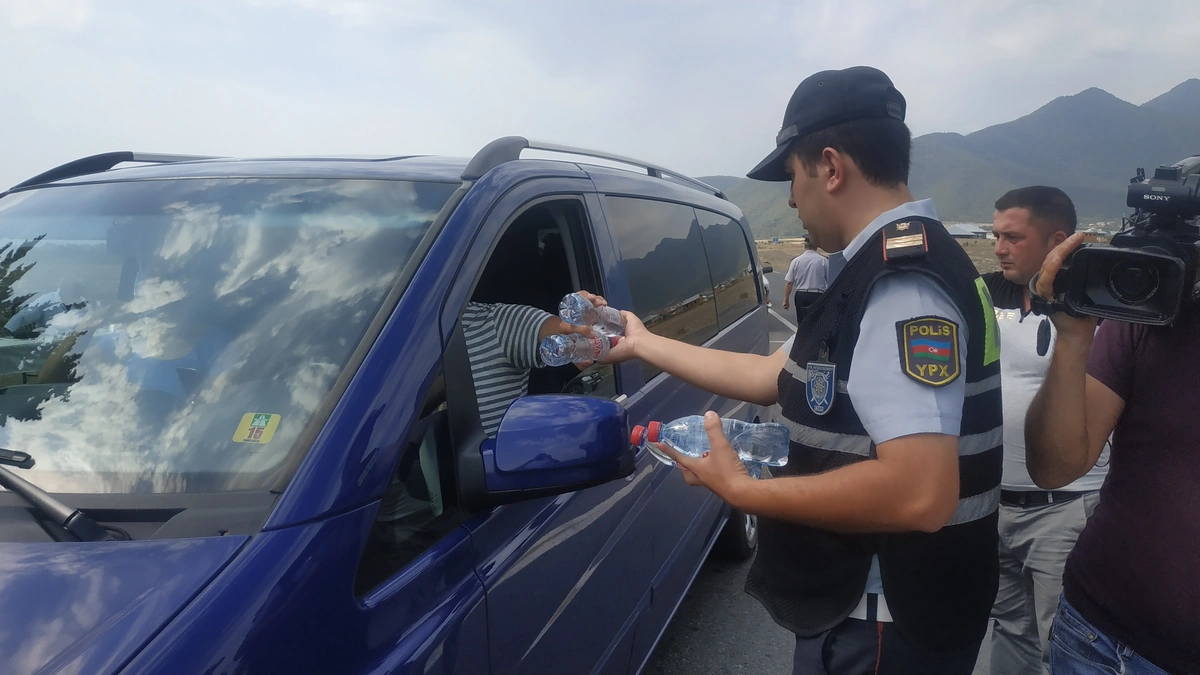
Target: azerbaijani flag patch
x=929 y=350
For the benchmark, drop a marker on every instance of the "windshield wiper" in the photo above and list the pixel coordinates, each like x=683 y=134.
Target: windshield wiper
x=73 y=520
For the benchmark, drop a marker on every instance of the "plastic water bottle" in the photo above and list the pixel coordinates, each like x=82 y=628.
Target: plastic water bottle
x=765 y=443
x=579 y=311
x=559 y=350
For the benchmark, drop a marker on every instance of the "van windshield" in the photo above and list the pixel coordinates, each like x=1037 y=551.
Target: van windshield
x=175 y=336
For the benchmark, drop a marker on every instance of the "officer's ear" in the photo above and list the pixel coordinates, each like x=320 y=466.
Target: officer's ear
x=832 y=169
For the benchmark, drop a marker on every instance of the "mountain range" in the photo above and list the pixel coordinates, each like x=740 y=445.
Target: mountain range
x=1089 y=144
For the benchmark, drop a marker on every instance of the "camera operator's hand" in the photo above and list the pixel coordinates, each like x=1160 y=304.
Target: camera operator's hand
x=1066 y=324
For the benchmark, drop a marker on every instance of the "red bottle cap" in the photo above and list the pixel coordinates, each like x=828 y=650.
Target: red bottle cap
x=653 y=428
x=636 y=437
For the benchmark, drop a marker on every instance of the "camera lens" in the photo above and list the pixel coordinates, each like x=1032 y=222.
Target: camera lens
x=1132 y=283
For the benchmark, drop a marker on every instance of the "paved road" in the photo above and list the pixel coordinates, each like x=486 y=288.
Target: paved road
x=719 y=629
x=779 y=330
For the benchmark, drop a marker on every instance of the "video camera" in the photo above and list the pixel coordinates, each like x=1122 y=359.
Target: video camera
x=1148 y=270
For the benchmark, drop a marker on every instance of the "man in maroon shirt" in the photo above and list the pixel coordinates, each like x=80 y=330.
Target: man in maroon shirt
x=1131 y=589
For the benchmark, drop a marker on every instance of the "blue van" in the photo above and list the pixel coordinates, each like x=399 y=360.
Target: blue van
x=241 y=433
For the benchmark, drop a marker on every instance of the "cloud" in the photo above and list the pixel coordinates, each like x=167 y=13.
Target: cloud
x=697 y=86
x=69 y=15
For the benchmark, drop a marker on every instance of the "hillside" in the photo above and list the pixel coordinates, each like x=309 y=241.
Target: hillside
x=1089 y=144
x=765 y=205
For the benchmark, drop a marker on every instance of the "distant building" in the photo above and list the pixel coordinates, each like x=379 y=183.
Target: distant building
x=965 y=231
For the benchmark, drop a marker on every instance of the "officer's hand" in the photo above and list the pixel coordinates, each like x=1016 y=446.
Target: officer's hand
x=626 y=346
x=1067 y=325
x=785 y=303
x=598 y=301
x=720 y=469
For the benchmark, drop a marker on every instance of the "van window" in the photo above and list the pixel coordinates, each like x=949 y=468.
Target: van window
x=177 y=336
x=418 y=506
x=546 y=252
x=664 y=258
x=729 y=261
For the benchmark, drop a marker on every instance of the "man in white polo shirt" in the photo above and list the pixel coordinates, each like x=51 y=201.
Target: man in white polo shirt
x=1038 y=528
x=808 y=276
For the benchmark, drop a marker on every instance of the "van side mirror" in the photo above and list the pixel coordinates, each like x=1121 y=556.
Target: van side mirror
x=552 y=444
x=767 y=269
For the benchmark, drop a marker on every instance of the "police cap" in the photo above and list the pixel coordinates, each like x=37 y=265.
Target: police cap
x=825 y=99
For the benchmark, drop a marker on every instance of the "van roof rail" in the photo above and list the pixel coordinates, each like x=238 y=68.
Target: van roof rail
x=508 y=149
x=100 y=163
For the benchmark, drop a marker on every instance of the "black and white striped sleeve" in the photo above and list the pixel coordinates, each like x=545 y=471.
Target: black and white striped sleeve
x=517 y=328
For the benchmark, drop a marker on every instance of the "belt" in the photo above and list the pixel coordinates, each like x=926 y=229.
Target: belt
x=872 y=607
x=804 y=298
x=1037 y=497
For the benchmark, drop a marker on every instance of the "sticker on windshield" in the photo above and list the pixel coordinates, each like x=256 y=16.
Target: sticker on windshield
x=256 y=428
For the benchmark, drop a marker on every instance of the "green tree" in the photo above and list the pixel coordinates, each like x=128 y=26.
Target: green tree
x=11 y=271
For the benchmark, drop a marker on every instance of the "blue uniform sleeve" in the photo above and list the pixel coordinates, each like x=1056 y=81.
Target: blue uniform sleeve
x=889 y=402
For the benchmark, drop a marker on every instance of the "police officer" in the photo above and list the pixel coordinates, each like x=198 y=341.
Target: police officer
x=877 y=540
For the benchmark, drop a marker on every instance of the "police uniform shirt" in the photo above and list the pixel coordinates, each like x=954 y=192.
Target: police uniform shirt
x=889 y=403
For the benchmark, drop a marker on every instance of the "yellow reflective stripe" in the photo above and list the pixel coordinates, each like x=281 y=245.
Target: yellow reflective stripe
x=991 y=336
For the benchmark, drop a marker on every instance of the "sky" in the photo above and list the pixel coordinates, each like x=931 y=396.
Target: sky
x=698 y=86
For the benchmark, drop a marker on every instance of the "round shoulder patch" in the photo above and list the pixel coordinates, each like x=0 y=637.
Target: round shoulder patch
x=929 y=349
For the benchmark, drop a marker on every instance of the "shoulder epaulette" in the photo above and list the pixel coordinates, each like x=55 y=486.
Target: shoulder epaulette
x=904 y=240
